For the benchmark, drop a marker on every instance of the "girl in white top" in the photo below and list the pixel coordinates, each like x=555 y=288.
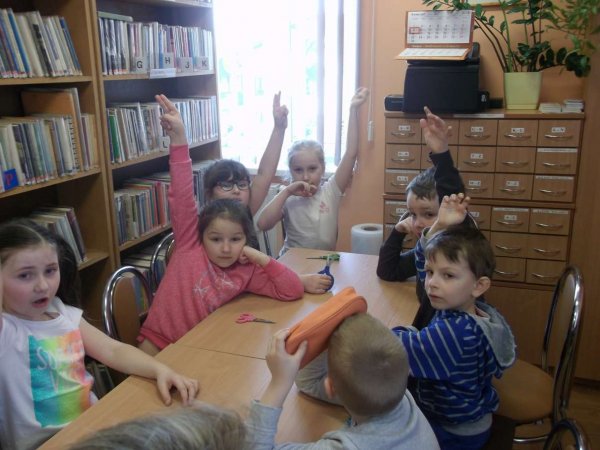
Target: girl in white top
x=43 y=341
x=309 y=209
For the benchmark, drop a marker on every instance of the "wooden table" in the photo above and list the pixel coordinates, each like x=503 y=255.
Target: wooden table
x=228 y=358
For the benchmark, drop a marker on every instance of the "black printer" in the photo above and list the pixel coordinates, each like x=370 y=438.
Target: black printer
x=444 y=86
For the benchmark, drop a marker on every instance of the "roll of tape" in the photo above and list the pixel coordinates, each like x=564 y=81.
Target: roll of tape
x=367 y=238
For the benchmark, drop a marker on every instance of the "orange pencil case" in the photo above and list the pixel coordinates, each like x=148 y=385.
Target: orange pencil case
x=317 y=327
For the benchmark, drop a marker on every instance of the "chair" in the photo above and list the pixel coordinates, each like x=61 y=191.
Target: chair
x=528 y=393
x=164 y=249
x=567 y=434
x=125 y=302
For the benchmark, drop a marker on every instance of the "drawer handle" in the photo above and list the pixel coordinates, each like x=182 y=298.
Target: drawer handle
x=515 y=191
x=403 y=160
x=519 y=137
x=477 y=136
x=515 y=163
x=546 y=252
x=544 y=277
x=553 y=193
x=556 y=165
x=558 y=136
x=509 y=224
x=393 y=183
x=508 y=249
x=506 y=274
x=476 y=163
x=549 y=225
x=476 y=189
x=403 y=134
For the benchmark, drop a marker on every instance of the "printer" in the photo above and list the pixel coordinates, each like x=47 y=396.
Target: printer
x=444 y=86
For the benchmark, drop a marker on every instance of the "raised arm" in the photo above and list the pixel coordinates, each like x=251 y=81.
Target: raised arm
x=270 y=158
x=344 y=170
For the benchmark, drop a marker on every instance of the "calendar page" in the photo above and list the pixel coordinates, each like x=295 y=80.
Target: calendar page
x=439 y=27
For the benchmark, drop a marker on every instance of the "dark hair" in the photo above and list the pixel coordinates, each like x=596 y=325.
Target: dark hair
x=223 y=170
x=227 y=209
x=22 y=233
x=458 y=241
x=368 y=366
x=423 y=185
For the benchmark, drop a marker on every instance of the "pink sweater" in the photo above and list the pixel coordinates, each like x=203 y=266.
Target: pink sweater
x=193 y=287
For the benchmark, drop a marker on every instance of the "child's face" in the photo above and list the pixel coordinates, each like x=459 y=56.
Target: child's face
x=231 y=189
x=223 y=241
x=451 y=285
x=305 y=166
x=423 y=212
x=31 y=277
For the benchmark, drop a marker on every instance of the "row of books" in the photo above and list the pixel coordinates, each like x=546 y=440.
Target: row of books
x=55 y=140
x=137 y=47
x=62 y=221
x=32 y=45
x=135 y=131
x=142 y=260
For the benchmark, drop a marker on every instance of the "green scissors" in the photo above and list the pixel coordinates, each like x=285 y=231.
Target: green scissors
x=330 y=257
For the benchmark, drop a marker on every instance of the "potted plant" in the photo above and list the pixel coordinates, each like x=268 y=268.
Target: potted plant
x=526 y=58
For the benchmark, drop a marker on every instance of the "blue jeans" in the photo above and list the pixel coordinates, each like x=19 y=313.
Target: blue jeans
x=449 y=441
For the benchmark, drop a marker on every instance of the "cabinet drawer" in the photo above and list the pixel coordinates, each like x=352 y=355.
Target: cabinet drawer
x=553 y=188
x=517 y=132
x=403 y=156
x=393 y=210
x=396 y=180
x=513 y=186
x=486 y=233
x=509 y=269
x=426 y=162
x=515 y=159
x=556 y=160
x=550 y=221
x=509 y=244
x=510 y=219
x=402 y=131
x=478 y=184
x=476 y=159
x=547 y=247
x=543 y=272
x=559 y=133
x=481 y=214
x=478 y=132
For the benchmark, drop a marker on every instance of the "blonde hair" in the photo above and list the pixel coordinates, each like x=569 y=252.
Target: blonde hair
x=299 y=146
x=202 y=426
x=368 y=366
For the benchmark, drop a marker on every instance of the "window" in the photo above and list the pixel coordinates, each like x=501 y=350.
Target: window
x=308 y=50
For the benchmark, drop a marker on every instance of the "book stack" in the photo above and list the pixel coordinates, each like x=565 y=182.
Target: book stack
x=62 y=221
x=142 y=260
x=550 y=107
x=32 y=45
x=198 y=171
x=134 y=47
x=572 y=105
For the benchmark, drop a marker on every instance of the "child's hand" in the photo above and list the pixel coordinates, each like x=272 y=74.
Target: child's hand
x=301 y=189
x=360 y=96
x=282 y=365
x=171 y=121
x=453 y=210
x=315 y=283
x=435 y=131
x=405 y=225
x=280 y=112
x=251 y=255
x=166 y=379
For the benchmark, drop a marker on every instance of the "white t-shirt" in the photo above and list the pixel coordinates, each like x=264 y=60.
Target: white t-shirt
x=312 y=222
x=43 y=381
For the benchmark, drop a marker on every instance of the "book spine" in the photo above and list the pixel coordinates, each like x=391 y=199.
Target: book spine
x=20 y=43
x=70 y=45
x=40 y=44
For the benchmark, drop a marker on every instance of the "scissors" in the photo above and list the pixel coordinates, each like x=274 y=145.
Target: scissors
x=248 y=317
x=331 y=257
x=326 y=271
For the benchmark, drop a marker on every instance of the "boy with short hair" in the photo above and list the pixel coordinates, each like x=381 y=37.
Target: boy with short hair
x=467 y=342
x=368 y=372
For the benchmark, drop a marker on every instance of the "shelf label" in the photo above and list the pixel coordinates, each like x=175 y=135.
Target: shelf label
x=167 y=60
x=475 y=183
x=201 y=63
x=163 y=73
x=517 y=130
x=164 y=142
x=139 y=65
x=185 y=64
x=512 y=183
x=477 y=129
x=559 y=130
x=476 y=155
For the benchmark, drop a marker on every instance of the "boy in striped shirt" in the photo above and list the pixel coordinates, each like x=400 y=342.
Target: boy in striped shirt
x=467 y=342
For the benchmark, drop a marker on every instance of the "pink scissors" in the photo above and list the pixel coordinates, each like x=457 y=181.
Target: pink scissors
x=247 y=317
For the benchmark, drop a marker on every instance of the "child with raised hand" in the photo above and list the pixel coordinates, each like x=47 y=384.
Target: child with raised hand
x=211 y=263
x=467 y=343
x=309 y=210
x=423 y=196
x=43 y=342
x=365 y=370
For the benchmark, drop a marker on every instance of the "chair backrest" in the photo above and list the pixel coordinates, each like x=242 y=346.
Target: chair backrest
x=125 y=302
x=567 y=434
x=559 y=351
x=164 y=249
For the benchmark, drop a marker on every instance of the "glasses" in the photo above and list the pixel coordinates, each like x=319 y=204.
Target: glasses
x=242 y=185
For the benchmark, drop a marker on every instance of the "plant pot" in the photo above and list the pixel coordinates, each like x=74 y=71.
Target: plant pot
x=522 y=90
